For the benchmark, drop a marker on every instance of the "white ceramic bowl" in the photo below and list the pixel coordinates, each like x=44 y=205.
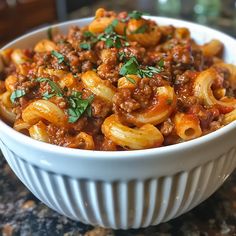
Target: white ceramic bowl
x=127 y=189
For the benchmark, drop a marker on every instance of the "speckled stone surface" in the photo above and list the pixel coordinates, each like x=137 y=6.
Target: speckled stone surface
x=22 y=214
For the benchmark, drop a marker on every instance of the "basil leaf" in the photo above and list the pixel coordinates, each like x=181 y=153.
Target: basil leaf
x=79 y=106
x=55 y=88
x=109 y=42
x=59 y=56
x=88 y=34
x=117 y=43
x=86 y=46
x=18 y=93
x=130 y=67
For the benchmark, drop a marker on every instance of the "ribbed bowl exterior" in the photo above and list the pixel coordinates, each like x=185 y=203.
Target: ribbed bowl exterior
x=124 y=204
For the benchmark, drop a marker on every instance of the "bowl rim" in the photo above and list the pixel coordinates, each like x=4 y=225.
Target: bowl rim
x=95 y=154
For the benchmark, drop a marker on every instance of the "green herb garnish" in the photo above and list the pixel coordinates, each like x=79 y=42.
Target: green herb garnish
x=110 y=37
x=131 y=80
x=142 y=29
x=55 y=88
x=59 y=56
x=149 y=71
x=47 y=95
x=109 y=42
x=18 y=93
x=79 y=106
x=110 y=28
x=132 y=67
x=121 y=56
x=86 y=46
x=137 y=14
x=88 y=34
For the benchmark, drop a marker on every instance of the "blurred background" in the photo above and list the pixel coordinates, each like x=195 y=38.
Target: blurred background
x=21 y=16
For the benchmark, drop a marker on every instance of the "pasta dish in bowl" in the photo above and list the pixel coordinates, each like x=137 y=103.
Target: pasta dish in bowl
x=112 y=84
x=107 y=86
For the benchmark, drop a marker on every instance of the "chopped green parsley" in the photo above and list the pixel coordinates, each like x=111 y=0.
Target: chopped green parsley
x=109 y=36
x=18 y=93
x=131 y=80
x=78 y=106
x=132 y=67
x=55 y=88
x=59 y=56
x=86 y=46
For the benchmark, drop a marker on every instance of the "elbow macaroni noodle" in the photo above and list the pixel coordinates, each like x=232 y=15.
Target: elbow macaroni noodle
x=159 y=112
x=229 y=117
x=42 y=109
x=45 y=45
x=187 y=126
x=92 y=81
x=132 y=138
x=213 y=48
x=203 y=90
x=123 y=82
x=39 y=132
x=7 y=113
x=18 y=57
x=120 y=83
x=149 y=38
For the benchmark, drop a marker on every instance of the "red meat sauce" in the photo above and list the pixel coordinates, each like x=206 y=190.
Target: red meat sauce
x=182 y=61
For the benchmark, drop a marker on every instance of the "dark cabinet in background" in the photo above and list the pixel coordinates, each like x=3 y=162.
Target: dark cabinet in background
x=17 y=17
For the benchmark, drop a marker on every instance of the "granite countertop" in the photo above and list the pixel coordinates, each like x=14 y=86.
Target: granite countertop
x=23 y=214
